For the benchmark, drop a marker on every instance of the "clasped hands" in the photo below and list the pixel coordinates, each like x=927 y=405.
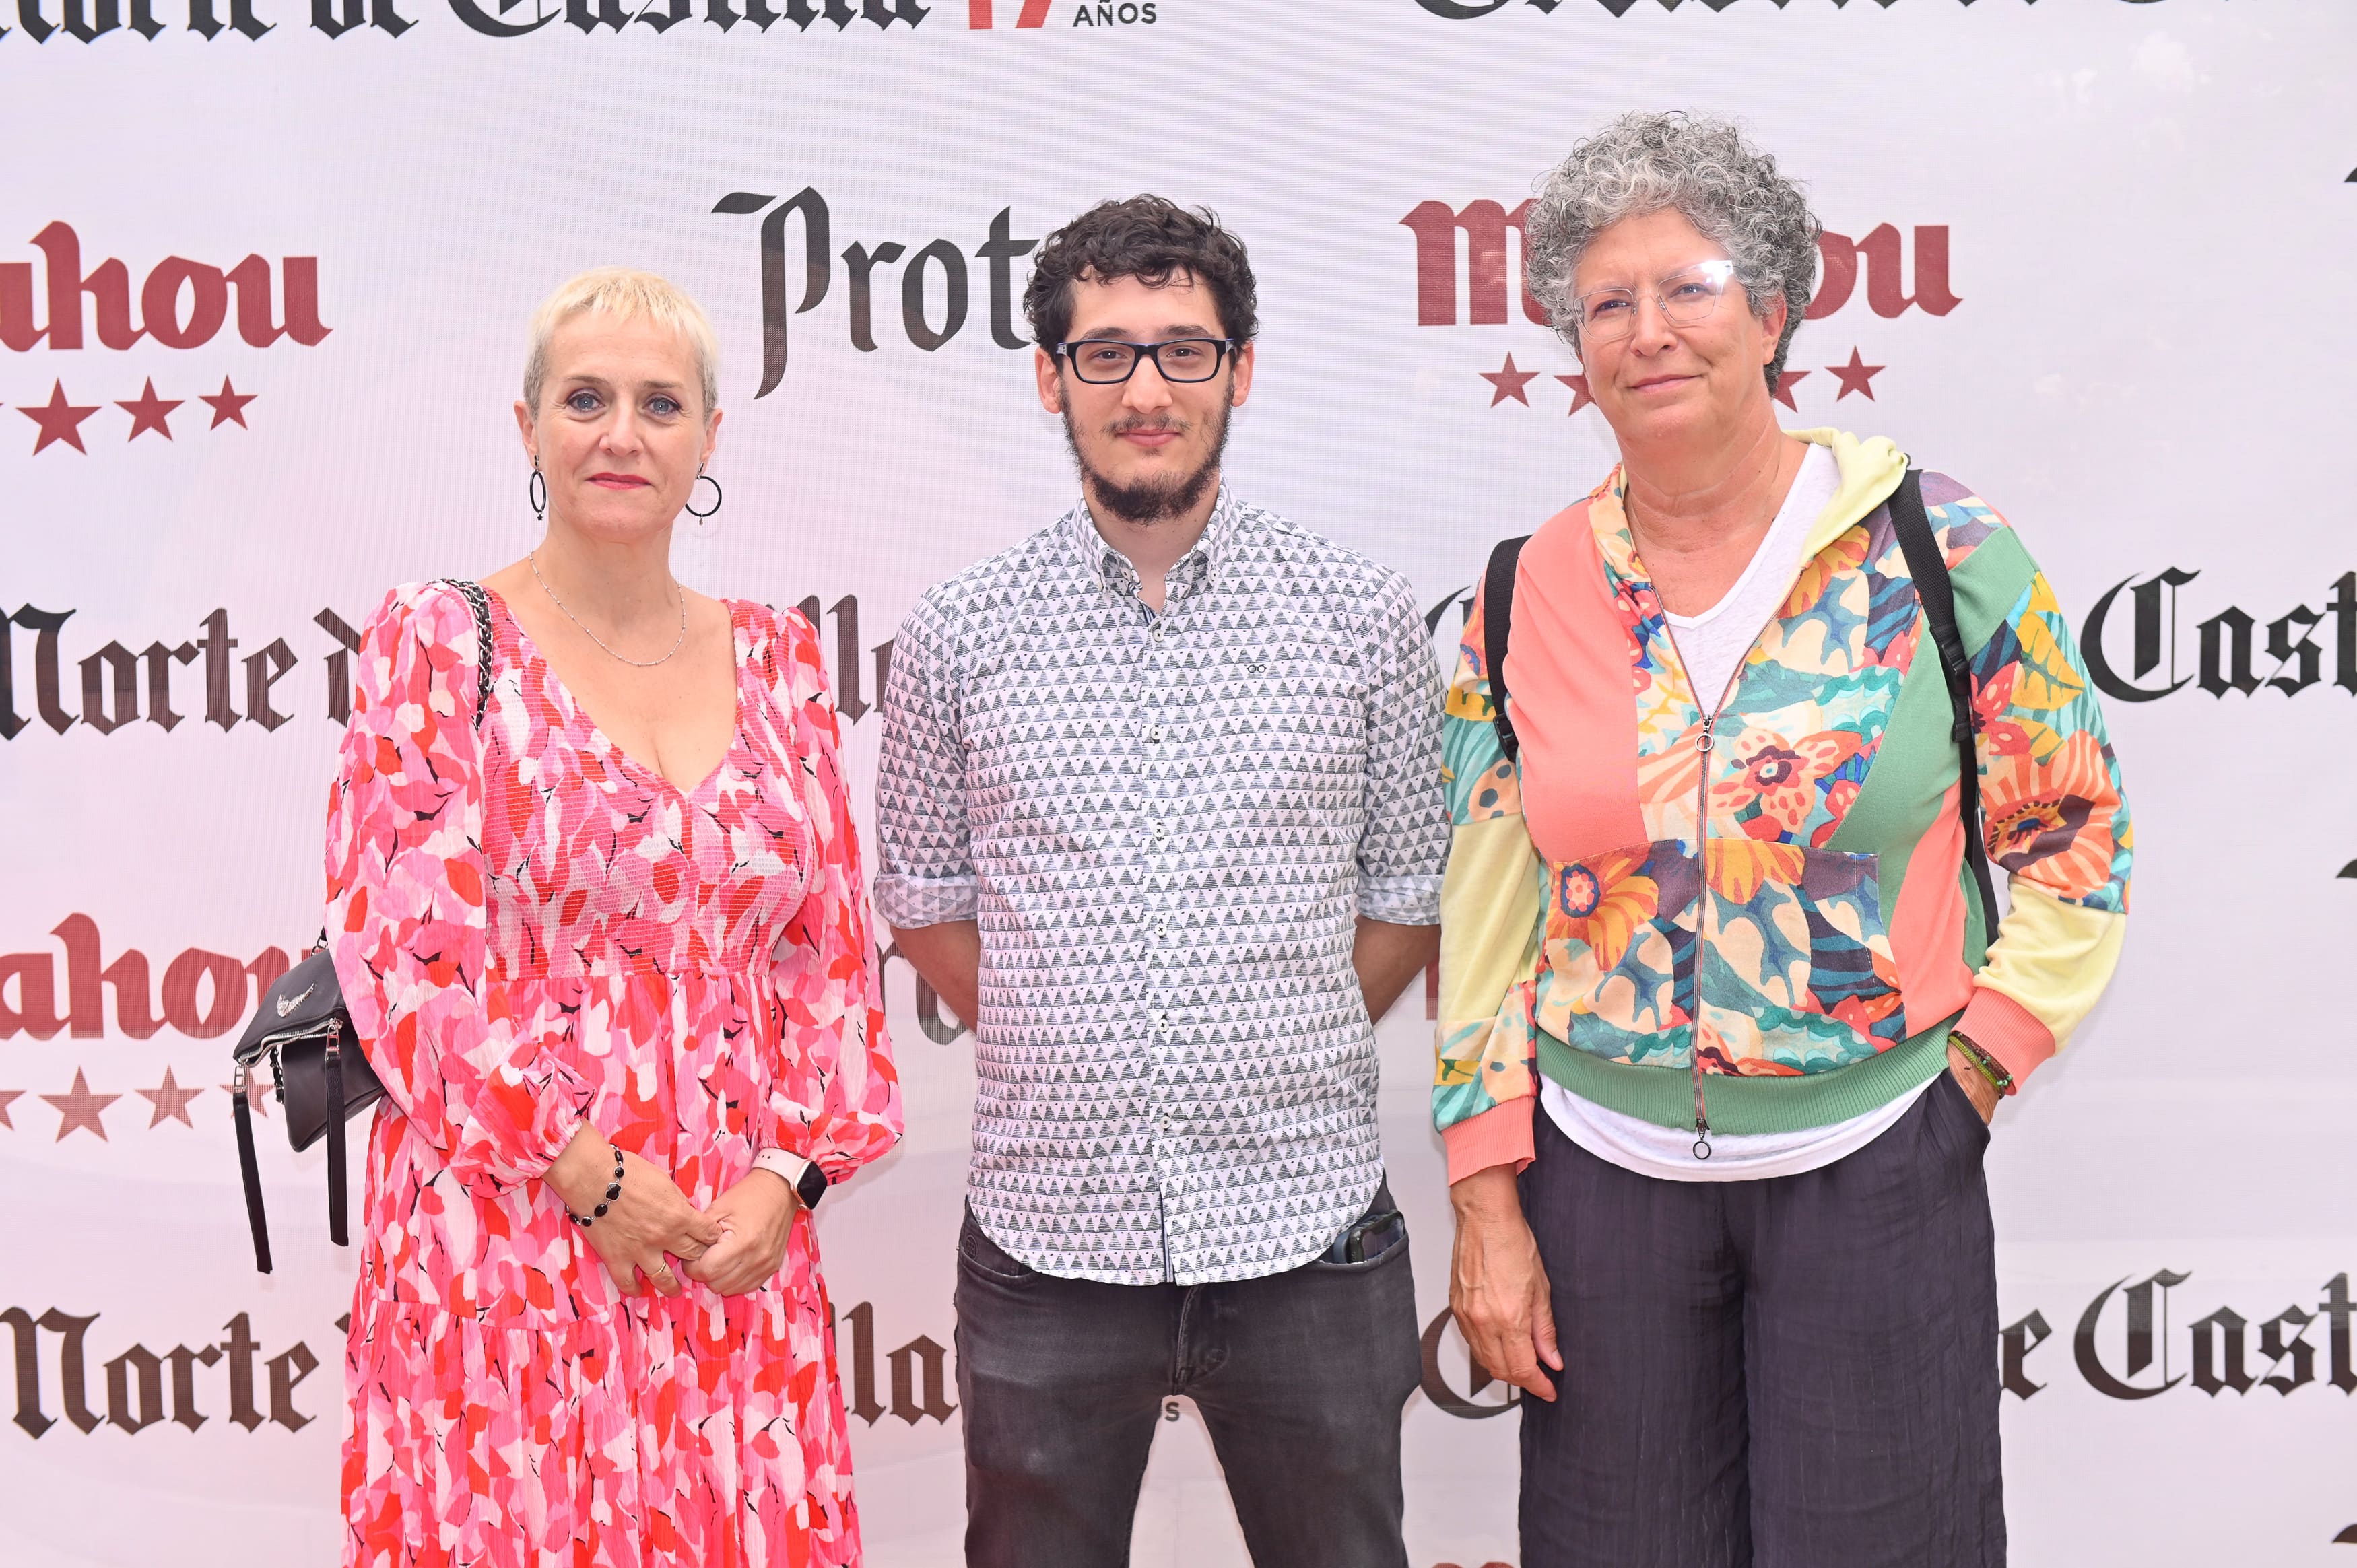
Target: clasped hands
x=733 y=1246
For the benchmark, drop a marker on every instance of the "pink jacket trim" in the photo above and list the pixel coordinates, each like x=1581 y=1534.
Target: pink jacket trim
x=1499 y=1135
x=2006 y=1030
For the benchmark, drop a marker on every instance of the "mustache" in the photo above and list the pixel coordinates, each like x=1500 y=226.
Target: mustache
x=1157 y=424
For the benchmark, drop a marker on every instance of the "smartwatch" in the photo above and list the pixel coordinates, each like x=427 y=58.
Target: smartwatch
x=804 y=1176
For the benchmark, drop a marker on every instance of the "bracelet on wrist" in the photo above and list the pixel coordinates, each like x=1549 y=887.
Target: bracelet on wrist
x=613 y=1191
x=1988 y=1066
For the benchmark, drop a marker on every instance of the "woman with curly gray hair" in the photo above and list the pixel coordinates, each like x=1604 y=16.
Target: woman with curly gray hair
x=1731 y=746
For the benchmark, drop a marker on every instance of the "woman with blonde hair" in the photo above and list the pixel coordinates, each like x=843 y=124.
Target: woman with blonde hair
x=596 y=905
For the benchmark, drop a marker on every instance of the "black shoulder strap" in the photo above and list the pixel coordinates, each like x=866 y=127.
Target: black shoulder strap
x=481 y=602
x=1497 y=620
x=1929 y=568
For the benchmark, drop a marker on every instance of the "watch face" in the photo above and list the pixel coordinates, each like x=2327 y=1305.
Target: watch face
x=812 y=1186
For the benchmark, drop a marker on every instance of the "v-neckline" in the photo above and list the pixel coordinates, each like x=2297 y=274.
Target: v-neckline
x=527 y=645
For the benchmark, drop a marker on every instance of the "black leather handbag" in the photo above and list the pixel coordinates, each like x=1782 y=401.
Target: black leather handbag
x=321 y=1074
x=322 y=1079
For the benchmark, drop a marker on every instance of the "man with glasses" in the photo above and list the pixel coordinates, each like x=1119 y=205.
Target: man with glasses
x=1160 y=812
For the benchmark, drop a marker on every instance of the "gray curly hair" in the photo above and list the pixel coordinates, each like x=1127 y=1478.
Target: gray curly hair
x=1705 y=169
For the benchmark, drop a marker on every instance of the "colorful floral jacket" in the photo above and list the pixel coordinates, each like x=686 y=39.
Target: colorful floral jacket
x=1758 y=918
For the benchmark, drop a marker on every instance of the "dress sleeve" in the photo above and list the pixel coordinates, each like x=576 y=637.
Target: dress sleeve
x=2057 y=822
x=1406 y=843
x=488 y=1089
x=1492 y=917
x=835 y=1098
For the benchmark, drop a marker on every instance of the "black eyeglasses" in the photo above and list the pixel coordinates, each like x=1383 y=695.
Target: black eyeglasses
x=1105 y=361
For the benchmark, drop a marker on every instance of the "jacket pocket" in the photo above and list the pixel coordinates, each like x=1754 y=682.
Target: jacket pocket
x=1797 y=970
x=1620 y=950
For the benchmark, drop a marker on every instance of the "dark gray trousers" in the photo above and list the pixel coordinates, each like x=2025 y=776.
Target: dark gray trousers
x=1301 y=1378
x=1795 y=1372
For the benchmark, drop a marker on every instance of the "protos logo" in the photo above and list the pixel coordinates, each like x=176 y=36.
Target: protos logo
x=934 y=286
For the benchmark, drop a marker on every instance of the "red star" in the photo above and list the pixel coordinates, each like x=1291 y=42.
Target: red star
x=1856 y=377
x=229 y=406
x=8 y=1097
x=1580 y=397
x=1509 y=383
x=1785 y=382
x=171 y=1099
x=59 y=419
x=82 y=1107
x=149 y=411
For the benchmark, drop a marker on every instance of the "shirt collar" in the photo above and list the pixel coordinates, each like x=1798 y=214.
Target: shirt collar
x=1188 y=574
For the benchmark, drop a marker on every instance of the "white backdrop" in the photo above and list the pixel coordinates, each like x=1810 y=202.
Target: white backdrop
x=2147 y=364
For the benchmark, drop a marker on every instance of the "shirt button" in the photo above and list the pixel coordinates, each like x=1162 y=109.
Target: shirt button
x=1154 y=735
x=1157 y=631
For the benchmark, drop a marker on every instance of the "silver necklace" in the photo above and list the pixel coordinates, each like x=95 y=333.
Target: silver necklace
x=532 y=558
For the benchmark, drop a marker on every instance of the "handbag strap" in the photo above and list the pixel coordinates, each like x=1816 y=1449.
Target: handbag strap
x=1497 y=620
x=338 y=1206
x=481 y=602
x=249 y=1171
x=1929 y=568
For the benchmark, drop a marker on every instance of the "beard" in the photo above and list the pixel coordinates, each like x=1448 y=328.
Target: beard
x=1151 y=501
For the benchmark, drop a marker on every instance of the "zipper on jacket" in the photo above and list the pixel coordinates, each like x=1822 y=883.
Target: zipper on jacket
x=1703 y=745
x=1702 y=894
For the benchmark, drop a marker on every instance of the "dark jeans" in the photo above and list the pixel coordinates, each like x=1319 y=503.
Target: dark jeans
x=1795 y=1372
x=1301 y=1378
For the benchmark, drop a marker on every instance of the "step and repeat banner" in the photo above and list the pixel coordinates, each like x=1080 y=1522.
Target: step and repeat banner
x=265 y=267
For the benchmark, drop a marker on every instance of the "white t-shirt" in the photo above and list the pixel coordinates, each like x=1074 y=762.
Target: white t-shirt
x=1712 y=645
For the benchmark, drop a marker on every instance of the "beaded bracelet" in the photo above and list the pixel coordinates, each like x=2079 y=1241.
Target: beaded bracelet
x=1990 y=1067
x=612 y=1192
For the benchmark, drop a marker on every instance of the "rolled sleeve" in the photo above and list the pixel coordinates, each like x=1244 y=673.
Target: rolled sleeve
x=911 y=901
x=1404 y=847
x=924 y=845
x=1401 y=900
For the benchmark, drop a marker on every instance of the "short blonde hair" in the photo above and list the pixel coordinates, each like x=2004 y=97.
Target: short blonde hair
x=631 y=294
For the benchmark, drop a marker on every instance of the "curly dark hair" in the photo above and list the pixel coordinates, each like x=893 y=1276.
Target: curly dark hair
x=1149 y=238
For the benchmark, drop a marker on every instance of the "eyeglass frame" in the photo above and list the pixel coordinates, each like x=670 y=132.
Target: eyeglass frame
x=1720 y=266
x=1141 y=352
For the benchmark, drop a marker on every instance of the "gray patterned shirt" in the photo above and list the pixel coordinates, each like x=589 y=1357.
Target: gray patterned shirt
x=1166 y=826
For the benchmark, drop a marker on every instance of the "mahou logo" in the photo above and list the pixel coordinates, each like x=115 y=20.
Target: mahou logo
x=1492 y=273
x=180 y=304
x=66 y=304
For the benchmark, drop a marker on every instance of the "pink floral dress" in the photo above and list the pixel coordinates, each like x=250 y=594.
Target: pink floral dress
x=533 y=932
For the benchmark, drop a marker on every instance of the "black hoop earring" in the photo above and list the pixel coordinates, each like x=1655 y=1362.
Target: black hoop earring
x=711 y=511
x=537 y=490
